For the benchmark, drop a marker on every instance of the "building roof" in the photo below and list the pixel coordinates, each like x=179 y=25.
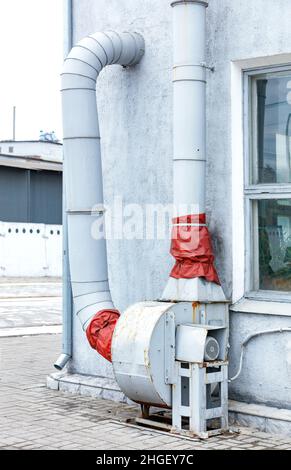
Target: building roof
x=8 y=141
x=29 y=162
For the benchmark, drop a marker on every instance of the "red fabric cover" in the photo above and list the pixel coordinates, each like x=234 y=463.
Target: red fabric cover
x=192 y=249
x=100 y=331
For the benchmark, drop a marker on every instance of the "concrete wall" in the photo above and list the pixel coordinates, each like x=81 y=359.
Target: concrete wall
x=30 y=250
x=266 y=372
x=135 y=108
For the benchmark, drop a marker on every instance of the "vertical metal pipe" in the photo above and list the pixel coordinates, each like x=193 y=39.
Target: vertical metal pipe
x=14 y=122
x=189 y=125
x=68 y=26
x=67 y=290
x=189 y=135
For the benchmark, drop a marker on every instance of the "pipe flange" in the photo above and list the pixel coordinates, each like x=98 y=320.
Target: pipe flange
x=201 y=2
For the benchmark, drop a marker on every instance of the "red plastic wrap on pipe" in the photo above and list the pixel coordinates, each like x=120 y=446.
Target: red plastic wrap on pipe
x=192 y=249
x=100 y=331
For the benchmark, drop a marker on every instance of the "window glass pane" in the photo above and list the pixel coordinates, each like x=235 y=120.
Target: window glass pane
x=274 y=225
x=272 y=113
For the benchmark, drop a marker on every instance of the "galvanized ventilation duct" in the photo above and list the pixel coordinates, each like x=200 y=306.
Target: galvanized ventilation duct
x=82 y=163
x=193 y=277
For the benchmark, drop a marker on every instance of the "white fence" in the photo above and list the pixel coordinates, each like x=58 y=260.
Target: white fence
x=30 y=250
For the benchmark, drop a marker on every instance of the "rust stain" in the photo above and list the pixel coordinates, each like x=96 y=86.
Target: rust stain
x=146 y=358
x=195 y=306
x=156 y=405
x=148 y=365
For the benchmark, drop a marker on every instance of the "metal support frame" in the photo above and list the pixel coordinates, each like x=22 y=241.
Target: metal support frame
x=193 y=401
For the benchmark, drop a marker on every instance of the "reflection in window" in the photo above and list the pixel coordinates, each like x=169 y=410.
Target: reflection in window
x=273 y=129
x=274 y=217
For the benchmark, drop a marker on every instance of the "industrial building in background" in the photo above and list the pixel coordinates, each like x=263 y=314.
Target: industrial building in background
x=31 y=208
x=218 y=138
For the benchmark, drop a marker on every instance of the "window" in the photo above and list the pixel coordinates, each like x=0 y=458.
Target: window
x=268 y=183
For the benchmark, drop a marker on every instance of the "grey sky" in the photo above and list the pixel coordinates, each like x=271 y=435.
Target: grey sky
x=31 y=53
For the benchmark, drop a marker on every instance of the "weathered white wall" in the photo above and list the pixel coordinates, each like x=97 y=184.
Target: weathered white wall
x=135 y=108
x=30 y=250
x=266 y=371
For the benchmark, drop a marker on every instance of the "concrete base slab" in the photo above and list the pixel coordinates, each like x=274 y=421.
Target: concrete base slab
x=264 y=418
x=97 y=387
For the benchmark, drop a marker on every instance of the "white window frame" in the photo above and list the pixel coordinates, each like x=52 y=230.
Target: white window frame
x=256 y=192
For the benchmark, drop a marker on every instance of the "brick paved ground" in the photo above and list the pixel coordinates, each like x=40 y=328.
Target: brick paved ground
x=33 y=417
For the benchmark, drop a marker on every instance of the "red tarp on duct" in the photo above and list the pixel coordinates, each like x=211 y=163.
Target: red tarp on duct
x=100 y=331
x=192 y=249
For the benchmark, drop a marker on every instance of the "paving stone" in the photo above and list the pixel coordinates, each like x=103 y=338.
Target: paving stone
x=284 y=447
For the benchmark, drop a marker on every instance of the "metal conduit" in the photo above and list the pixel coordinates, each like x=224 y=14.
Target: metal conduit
x=82 y=163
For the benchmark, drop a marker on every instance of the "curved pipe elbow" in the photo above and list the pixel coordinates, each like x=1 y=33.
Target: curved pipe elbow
x=62 y=361
x=93 y=53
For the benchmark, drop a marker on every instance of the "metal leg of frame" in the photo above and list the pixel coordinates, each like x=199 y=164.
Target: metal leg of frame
x=196 y=408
